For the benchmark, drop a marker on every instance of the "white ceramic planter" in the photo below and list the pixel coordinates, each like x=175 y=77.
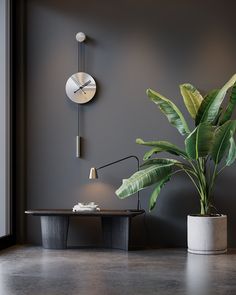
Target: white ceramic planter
x=207 y=234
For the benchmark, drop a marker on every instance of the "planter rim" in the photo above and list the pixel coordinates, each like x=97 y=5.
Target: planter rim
x=208 y=216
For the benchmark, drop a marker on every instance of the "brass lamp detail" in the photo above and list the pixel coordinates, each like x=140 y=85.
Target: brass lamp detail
x=93 y=173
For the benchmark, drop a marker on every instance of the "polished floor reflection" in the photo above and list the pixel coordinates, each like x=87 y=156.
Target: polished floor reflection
x=33 y=270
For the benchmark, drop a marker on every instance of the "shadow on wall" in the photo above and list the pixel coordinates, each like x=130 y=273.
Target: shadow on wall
x=225 y=202
x=168 y=227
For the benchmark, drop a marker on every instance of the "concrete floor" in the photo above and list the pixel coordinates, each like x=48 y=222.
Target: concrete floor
x=36 y=271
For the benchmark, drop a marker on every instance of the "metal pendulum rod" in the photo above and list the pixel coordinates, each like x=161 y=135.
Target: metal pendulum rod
x=80 y=37
x=78 y=138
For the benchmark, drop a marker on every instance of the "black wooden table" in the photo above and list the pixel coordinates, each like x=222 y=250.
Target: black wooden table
x=115 y=226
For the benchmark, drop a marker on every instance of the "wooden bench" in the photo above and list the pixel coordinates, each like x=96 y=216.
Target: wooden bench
x=115 y=226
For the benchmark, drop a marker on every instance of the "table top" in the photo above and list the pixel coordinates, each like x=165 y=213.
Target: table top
x=69 y=212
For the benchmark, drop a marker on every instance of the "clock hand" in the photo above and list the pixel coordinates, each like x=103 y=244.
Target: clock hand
x=82 y=86
x=85 y=84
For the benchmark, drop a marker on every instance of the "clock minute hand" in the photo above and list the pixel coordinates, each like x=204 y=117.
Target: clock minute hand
x=85 y=84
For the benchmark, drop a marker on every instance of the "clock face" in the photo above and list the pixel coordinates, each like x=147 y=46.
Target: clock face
x=81 y=87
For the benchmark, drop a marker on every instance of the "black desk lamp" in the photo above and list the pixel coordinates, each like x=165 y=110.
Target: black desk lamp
x=94 y=174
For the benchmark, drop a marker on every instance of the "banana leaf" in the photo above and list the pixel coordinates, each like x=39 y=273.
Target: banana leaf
x=159 y=162
x=231 y=157
x=203 y=114
x=222 y=140
x=217 y=119
x=230 y=107
x=143 y=179
x=199 y=142
x=164 y=146
x=151 y=152
x=211 y=104
x=192 y=98
x=173 y=114
x=156 y=192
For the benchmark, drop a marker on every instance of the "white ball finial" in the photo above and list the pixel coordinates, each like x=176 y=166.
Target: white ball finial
x=80 y=37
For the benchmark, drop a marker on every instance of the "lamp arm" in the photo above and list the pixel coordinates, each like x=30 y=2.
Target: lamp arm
x=120 y=160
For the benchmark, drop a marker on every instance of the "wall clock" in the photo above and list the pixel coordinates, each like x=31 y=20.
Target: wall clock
x=81 y=87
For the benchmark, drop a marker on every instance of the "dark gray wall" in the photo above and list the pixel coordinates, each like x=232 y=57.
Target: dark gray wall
x=132 y=45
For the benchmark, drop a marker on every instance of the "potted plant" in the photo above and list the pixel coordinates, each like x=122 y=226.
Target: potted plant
x=209 y=149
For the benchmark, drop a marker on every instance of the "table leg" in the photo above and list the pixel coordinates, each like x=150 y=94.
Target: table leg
x=54 y=231
x=116 y=232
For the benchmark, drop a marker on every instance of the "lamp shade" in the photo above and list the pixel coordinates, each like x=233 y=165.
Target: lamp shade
x=93 y=173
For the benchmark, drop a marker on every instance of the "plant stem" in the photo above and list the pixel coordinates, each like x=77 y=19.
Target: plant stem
x=212 y=180
x=193 y=181
x=203 y=184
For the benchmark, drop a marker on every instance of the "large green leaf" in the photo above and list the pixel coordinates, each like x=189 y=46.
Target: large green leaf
x=180 y=166
x=222 y=140
x=143 y=178
x=151 y=152
x=163 y=146
x=230 y=107
x=199 y=142
x=231 y=157
x=173 y=114
x=159 y=162
x=192 y=98
x=217 y=118
x=204 y=110
x=156 y=192
x=211 y=104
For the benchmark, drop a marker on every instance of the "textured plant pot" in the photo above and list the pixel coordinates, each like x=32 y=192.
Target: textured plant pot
x=207 y=234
